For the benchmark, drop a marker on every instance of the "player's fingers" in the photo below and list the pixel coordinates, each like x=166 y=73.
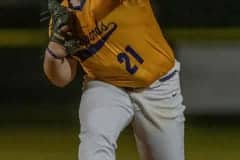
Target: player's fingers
x=65 y=29
x=44 y=13
x=44 y=16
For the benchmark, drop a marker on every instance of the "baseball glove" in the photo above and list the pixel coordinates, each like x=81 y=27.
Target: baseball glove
x=62 y=27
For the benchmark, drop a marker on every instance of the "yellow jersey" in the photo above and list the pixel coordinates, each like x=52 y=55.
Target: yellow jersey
x=126 y=48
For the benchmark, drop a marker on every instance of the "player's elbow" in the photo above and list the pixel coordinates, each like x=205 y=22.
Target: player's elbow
x=60 y=77
x=58 y=80
x=59 y=73
x=60 y=83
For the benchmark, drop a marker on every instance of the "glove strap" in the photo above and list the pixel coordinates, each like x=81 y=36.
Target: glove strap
x=58 y=38
x=54 y=55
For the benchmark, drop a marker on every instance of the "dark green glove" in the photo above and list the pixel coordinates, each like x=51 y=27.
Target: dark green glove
x=62 y=17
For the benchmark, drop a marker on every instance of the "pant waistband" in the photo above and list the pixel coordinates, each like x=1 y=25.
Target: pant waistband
x=163 y=79
x=169 y=76
x=166 y=77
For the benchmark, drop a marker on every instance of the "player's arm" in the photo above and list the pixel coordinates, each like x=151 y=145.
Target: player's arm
x=58 y=65
x=102 y=8
x=59 y=69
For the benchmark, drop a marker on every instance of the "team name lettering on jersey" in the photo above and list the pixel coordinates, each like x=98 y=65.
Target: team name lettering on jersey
x=105 y=31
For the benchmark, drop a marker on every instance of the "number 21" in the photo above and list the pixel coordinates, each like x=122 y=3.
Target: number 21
x=124 y=58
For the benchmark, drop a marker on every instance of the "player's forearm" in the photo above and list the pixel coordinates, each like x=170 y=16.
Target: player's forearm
x=59 y=72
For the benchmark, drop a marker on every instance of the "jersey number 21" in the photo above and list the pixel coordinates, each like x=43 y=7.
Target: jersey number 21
x=124 y=58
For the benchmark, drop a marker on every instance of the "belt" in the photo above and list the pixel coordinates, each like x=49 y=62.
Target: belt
x=169 y=76
x=163 y=79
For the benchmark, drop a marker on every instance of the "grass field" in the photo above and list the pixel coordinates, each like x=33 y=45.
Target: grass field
x=208 y=140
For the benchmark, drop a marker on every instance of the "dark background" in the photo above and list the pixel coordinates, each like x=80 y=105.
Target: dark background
x=174 y=13
x=23 y=82
x=40 y=121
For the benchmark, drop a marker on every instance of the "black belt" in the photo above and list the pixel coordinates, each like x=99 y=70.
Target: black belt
x=167 y=77
x=163 y=79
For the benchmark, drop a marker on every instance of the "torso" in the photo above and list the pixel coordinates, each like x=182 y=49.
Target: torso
x=126 y=48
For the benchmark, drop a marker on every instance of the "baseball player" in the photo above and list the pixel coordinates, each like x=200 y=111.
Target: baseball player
x=131 y=76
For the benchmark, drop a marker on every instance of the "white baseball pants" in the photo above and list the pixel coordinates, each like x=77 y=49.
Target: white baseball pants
x=156 y=114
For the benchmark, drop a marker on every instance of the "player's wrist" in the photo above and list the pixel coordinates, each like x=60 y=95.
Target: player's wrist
x=54 y=55
x=56 y=51
x=57 y=48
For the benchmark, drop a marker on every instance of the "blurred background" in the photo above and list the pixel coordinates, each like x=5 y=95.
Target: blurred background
x=39 y=121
